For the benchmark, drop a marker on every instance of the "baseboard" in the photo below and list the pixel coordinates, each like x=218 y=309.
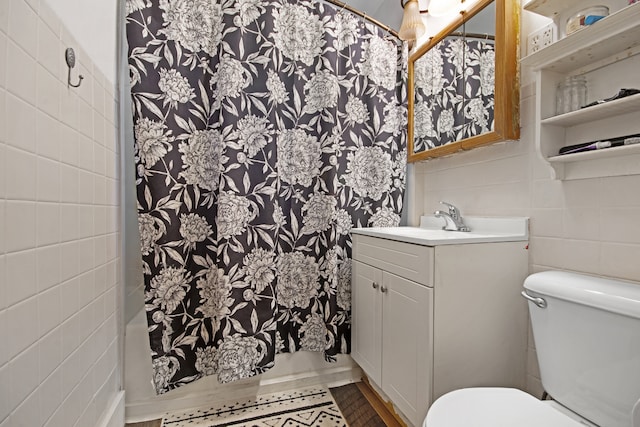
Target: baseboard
x=333 y=377
x=114 y=414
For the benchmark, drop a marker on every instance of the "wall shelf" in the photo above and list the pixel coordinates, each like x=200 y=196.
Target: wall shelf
x=615 y=161
x=550 y=8
x=602 y=49
x=615 y=33
x=606 y=153
x=596 y=112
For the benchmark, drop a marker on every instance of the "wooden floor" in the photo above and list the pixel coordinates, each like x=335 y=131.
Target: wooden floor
x=154 y=423
x=362 y=407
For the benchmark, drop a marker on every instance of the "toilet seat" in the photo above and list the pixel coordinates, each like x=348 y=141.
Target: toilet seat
x=495 y=407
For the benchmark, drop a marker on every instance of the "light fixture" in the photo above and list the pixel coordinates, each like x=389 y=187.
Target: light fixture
x=412 y=26
x=440 y=8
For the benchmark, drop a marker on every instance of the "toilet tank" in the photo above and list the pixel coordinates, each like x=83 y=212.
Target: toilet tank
x=587 y=340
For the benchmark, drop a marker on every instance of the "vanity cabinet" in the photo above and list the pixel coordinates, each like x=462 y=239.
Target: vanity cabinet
x=397 y=306
x=607 y=54
x=427 y=320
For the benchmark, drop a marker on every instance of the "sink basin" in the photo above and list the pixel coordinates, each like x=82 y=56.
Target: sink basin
x=430 y=232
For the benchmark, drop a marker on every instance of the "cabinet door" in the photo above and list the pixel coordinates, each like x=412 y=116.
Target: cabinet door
x=366 y=319
x=407 y=345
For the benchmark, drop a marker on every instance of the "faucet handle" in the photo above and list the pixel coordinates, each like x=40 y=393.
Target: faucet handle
x=453 y=211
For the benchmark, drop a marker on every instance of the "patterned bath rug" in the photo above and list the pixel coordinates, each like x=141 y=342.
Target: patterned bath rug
x=313 y=407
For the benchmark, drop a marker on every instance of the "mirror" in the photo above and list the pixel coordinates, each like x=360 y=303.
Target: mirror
x=464 y=87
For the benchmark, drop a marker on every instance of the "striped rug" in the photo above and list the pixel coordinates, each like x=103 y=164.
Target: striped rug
x=313 y=407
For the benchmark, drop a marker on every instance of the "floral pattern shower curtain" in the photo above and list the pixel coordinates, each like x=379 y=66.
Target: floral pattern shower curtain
x=454 y=92
x=264 y=131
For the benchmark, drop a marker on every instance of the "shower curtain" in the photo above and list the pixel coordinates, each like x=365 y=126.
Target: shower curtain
x=454 y=92
x=264 y=131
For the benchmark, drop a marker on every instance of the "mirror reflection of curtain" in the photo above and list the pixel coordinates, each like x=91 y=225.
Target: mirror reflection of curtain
x=454 y=92
x=265 y=131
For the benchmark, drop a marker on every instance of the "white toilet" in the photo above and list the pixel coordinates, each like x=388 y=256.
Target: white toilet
x=587 y=336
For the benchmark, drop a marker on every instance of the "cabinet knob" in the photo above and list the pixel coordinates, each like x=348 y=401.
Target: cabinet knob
x=383 y=289
x=374 y=285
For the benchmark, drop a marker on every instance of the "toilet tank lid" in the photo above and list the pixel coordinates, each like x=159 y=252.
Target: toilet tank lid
x=612 y=295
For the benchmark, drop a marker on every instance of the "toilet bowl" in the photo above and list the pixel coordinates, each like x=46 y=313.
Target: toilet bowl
x=587 y=335
x=498 y=407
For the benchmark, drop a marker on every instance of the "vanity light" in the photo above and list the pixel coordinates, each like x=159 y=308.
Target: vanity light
x=412 y=26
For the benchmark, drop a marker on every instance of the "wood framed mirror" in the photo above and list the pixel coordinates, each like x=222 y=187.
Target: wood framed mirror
x=464 y=84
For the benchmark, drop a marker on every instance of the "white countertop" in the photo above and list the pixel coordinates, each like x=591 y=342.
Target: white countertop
x=430 y=232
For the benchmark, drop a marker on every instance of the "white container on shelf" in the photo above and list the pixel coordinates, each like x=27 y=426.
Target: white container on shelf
x=584 y=18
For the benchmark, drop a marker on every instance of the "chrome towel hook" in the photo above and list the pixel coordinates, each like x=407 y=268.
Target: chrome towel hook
x=70 y=56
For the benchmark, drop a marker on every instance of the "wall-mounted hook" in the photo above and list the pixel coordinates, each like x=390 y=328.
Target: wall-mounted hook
x=70 y=56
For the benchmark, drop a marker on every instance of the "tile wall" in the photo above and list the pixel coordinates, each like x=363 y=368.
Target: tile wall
x=59 y=227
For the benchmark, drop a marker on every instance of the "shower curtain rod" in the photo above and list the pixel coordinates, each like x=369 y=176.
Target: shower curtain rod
x=365 y=16
x=473 y=35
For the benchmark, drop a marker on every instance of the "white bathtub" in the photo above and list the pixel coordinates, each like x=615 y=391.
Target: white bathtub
x=291 y=371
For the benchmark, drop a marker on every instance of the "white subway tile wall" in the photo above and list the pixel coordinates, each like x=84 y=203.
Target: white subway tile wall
x=59 y=225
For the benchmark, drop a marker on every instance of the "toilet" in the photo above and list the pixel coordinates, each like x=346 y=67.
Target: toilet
x=587 y=336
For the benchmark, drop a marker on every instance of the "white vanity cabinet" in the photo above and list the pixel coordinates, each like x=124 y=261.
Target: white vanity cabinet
x=391 y=319
x=430 y=319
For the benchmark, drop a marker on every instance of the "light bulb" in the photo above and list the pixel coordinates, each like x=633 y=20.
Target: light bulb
x=440 y=8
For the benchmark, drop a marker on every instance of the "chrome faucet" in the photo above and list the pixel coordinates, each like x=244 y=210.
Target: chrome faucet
x=453 y=220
